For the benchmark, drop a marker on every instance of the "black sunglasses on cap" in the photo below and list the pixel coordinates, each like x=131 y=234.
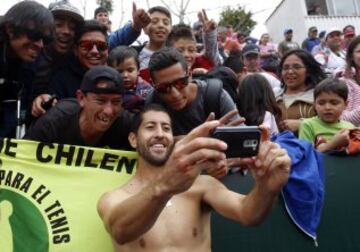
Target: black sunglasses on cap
x=36 y=35
x=179 y=84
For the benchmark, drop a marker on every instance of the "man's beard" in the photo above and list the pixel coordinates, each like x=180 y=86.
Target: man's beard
x=151 y=158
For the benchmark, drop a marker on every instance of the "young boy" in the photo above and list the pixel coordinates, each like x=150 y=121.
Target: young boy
x=182 y=38
x=125 y=60
x=157 y=30
x=326 y=130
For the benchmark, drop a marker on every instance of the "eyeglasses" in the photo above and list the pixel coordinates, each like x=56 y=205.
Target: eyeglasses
x=294 y=68
x=89 y=44
x=179 y=84
x=36 y=35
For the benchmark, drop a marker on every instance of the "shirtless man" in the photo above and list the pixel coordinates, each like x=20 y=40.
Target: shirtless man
x=166 y=205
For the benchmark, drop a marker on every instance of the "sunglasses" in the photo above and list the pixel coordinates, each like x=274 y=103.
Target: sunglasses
x=89 y=44
x=179 y=84
x=36 y=35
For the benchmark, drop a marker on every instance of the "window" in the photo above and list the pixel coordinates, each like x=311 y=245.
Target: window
x=344 y=7
x=316 y=7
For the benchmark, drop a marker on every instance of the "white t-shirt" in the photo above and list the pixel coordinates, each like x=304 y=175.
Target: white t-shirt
x=144 y=58
x=270 y=123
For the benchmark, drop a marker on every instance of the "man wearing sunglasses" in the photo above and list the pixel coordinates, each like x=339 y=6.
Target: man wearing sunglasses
x=94 y=118
x=184 y=98
x=91 y=49
x=68 y=21
x=24 y=30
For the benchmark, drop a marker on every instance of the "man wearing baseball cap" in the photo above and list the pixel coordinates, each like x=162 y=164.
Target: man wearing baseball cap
x=332 y=58
x=251 y=58
x=94 y=118
x=349 y=35
x=287 y=44
x=67 y=21
x=312 y=39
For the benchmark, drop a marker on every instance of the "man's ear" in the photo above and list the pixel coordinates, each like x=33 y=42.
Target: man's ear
x=132 y=139
x=80 y=96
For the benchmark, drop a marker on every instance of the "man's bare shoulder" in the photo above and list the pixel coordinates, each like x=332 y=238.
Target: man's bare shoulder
x=110 y=199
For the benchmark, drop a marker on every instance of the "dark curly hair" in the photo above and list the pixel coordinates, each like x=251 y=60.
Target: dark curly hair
x=314 y=72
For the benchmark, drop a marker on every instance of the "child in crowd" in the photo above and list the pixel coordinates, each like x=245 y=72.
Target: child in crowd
x=256 y=102
x=157 y=31
x=326 y=131
x=236 y=63
x=126 y=61
x=182 y=38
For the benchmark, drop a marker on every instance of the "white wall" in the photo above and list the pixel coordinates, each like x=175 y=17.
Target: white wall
x=327 y=22
x=289 y=14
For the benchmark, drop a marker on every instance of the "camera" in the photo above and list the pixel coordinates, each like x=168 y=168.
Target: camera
x=242 y=141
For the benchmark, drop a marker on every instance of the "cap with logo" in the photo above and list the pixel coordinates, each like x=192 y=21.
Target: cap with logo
x=250 y=49
x=64 y=8
x=112 y=81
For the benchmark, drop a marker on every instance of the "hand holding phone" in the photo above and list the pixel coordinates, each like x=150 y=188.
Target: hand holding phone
x=242 y=141
x=48 y=104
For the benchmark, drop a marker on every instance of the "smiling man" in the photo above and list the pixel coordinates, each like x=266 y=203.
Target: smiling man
x=167 y=205
x=24 y=30
x=95 y=118
x=187 y=101
x=91 y=49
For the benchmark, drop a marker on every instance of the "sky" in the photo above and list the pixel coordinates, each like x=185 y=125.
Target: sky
x=261 y=9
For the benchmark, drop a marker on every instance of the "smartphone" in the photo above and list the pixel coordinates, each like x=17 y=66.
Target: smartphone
x=48 y=104
x=242 y=141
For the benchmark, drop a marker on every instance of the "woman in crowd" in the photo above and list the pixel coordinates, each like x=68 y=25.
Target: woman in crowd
x=256 y=102
x=299 y=72
x=352 y=80
x=268 y=51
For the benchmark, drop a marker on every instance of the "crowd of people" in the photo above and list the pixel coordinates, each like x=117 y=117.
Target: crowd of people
x=74 y=81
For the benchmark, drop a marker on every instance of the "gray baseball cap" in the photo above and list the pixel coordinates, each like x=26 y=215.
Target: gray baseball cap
x=64 y=8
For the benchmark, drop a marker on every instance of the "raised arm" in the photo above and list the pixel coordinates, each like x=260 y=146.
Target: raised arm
x=271 y=170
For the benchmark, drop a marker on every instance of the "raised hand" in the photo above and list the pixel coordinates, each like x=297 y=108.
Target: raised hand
x=192 y=154
x=140 y=18
x=271 y=167
x=208 y=25
x=225 y=120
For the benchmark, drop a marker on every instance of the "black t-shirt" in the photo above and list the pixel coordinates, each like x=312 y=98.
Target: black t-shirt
x=61 y=125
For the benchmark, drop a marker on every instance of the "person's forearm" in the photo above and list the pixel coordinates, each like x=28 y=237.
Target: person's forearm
x=136 y=215
x=257 y=205
x=326 y=146
x=211 y=47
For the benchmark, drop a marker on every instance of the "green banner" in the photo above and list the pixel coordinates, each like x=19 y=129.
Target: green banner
x=49 y=193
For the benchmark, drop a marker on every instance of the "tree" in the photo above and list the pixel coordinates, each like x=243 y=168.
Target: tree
x=107 y=4
x=238 y=18
x=177 y=10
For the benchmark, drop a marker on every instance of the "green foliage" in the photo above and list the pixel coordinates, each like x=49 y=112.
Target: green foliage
x=107 y=4
x=240 y=20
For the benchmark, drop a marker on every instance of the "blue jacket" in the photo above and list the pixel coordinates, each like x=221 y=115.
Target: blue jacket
x=123 y=36
x=304 y=193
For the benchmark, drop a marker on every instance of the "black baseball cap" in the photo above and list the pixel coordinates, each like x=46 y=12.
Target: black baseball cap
x=250 y=49
x=111 y=77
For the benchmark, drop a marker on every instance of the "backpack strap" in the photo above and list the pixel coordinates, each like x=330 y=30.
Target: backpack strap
x=212 y=97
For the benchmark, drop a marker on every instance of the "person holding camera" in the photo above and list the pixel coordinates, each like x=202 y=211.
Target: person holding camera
x=24 y=30
x=167 y=204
